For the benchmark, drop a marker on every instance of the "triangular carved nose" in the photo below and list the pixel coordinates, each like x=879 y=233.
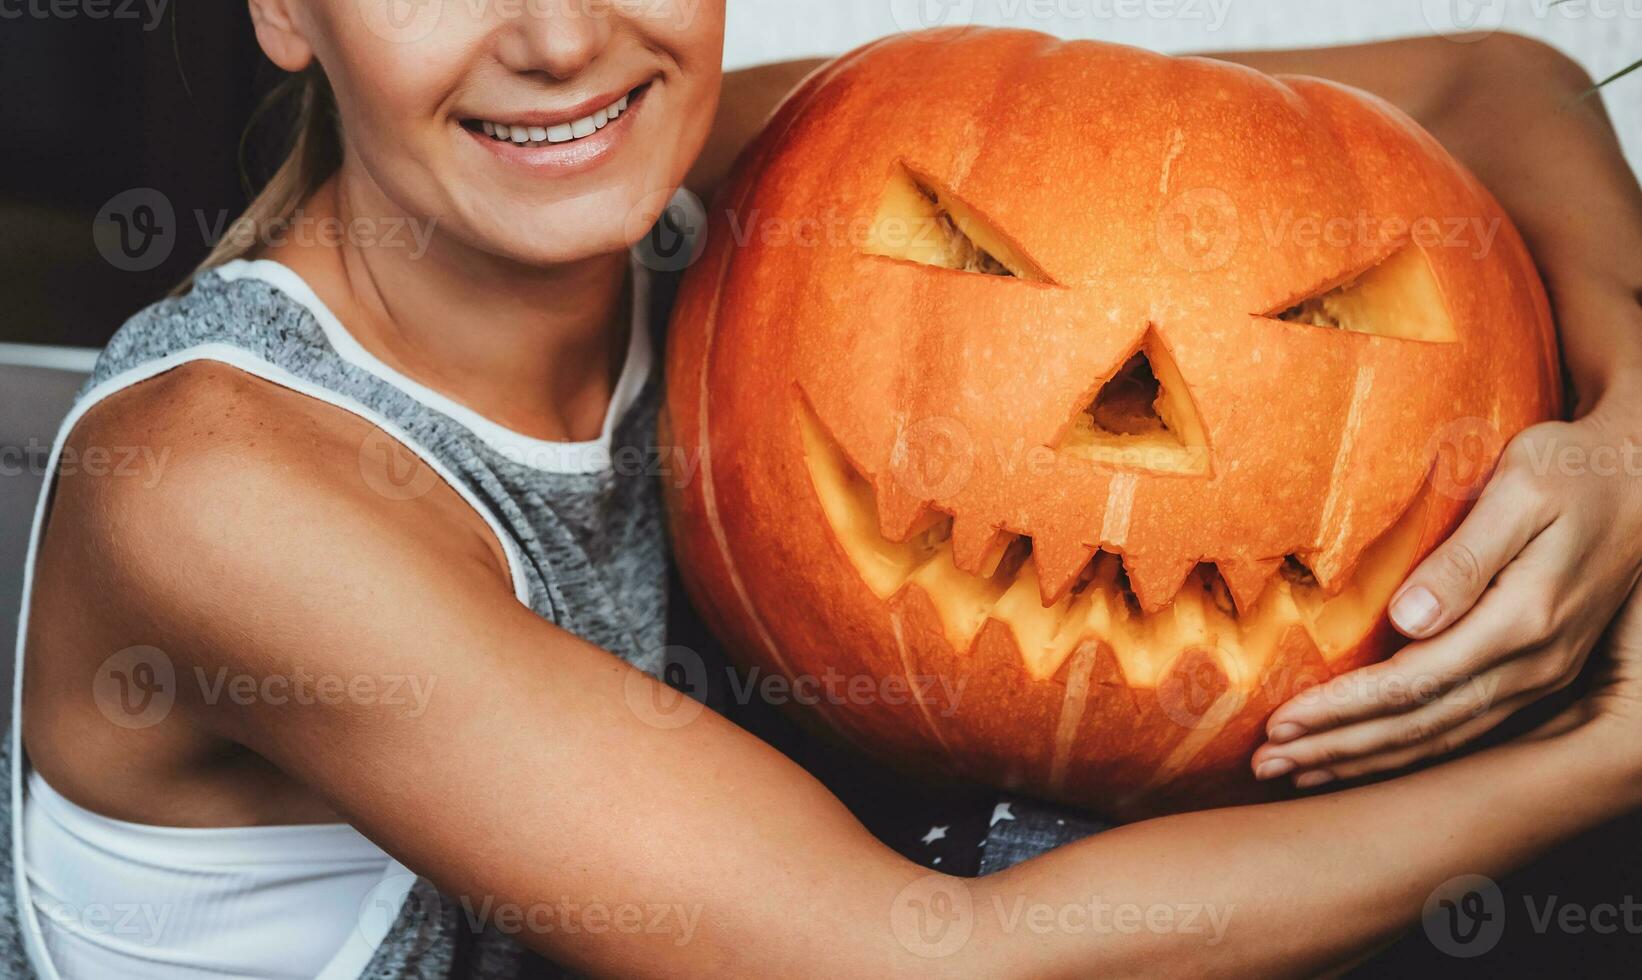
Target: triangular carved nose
x=1142 y=418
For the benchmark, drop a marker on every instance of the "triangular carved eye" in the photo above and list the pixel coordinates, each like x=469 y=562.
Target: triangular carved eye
x=919 y=221
x=1142 y=418
x=1397 y=298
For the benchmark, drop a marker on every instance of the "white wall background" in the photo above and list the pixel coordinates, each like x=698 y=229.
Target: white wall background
x=1604 y=35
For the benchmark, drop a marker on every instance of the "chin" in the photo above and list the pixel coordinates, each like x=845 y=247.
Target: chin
x=571 y=230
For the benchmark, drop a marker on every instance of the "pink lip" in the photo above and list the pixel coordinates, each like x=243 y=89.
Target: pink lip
x=575 y=156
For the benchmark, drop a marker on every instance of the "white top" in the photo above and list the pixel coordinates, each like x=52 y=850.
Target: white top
x=117 y=899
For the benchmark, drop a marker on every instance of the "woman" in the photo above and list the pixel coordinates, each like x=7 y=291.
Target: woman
x=390 y=472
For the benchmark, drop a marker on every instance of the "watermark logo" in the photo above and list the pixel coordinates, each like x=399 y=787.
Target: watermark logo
x=401 y=21
x=1465 y=916
x=1463 y=452
x=392 y=470
x=681 y=696
x=1199 y=229
x=933 y=917
x=136 y=687
x=1463 y=20
x=136 y=230
x=402 y=898
x=911 y=16
x=670 y=229
x=933 y=458
x=1192 y=693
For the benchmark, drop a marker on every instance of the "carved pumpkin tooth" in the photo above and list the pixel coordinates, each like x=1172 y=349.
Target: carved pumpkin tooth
x=977 y=546
x=899 y=512
x=1247 y=579
x=1156 y=580
x=1060 y=560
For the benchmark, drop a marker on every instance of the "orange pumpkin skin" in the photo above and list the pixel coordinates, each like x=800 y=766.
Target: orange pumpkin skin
x=874 y=427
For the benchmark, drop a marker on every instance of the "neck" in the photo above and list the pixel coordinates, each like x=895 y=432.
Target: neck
x=535 y=349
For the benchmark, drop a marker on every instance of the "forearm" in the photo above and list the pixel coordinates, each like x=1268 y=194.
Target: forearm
x=1302 y=886
x=1510 y=109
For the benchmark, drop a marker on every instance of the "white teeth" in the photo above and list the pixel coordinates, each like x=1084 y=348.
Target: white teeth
x=561 y=133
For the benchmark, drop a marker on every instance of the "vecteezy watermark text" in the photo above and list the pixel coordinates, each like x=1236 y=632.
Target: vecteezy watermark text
x=150 y=12
x=934 y=691
x=137 y=687
x=584 y=918
x=935 y=917
x=128 y=462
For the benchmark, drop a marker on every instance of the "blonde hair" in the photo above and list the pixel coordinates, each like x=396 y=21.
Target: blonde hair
x=314 y=151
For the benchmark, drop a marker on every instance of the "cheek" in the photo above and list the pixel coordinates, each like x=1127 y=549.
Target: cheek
x=390 y=87
x=390 y=99
x=690 y=33
x=692 y=26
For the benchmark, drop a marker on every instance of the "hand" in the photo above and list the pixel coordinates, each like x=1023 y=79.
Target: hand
x=1502 y=614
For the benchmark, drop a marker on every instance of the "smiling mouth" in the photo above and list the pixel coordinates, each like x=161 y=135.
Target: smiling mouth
x=526 y=134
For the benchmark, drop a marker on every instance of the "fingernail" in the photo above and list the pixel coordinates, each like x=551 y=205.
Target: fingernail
x=1288 y=731
x=1313 y=779
x=1415 y=611
x=1272 y=768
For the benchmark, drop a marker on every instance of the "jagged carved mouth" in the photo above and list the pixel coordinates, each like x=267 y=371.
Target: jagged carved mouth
x=1101 y=607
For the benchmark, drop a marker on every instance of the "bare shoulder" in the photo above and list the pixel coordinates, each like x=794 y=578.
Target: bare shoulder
x=209 y=457
x=205 y=497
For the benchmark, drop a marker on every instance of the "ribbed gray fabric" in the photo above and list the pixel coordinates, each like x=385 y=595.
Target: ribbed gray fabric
x=591 y=549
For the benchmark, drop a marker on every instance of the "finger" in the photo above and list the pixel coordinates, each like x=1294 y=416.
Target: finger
x=1453 y=710
x=1450 y=580
x=1401 y=758
x=1501 y=626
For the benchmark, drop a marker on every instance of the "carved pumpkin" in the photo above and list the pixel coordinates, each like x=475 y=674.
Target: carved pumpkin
x=1064 y=408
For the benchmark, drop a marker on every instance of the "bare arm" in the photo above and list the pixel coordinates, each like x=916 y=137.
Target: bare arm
x=537 y=774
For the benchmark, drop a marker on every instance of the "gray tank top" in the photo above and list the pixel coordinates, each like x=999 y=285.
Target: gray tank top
x=581 y=525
